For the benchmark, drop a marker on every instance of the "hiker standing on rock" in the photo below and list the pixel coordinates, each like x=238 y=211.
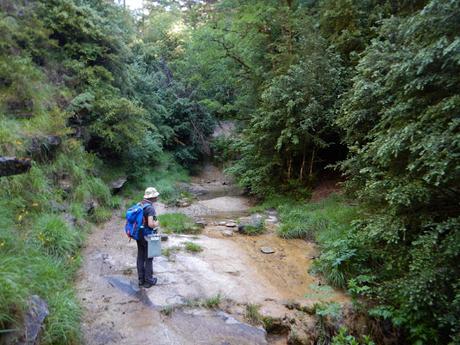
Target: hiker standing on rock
x=150 y=223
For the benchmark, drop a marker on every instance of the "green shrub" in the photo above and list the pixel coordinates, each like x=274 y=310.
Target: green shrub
x=253 y=230
x=55 y=236
x=193 y=247
x=164 y=176
x=178 y=223
x=28 y=271
x=252 y=314
x=101 y=214
x=322 y=221
x=223 y=150
x=343 y=338
x=63 y=323
x=213 y=302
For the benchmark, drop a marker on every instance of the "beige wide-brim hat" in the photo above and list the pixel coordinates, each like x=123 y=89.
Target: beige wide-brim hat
x=151 y=192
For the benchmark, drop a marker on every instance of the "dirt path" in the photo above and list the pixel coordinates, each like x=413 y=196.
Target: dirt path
x=232 y=269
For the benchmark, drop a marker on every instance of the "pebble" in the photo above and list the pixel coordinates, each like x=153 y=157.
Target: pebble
x=164 y=237
x=271 y=219
x=202 y=223
x=267 y=250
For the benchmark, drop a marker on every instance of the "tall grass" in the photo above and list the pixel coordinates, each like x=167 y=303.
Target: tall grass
x=328 y=223
x=54 y=236
x=164 y=177
x=39 y=250
x=178 y=223
x=321 y=221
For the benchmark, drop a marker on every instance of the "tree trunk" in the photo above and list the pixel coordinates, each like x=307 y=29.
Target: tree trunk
x=289 y=167
x=311 y=163
x=302 y=167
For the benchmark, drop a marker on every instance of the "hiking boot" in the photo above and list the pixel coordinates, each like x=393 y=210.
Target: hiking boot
x=149 y=283
x=141 y=283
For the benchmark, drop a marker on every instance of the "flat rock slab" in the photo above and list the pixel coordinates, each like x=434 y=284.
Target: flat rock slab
x=231 y=225
x=210 y=327
x=226 y=204
x=267 y=250
x=227 y=233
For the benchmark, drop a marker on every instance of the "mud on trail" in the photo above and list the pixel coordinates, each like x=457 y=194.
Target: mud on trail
x=231 y=270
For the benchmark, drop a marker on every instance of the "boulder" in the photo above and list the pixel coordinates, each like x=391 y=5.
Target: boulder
x=255 y=220
x=193 y=188
x=305 y=306
x=42 y=148
x=164 y=237
x=201 y=223
x=227 y=233
x=304 y=331
x=14 y=166
x=183 y=203
x=272 y=212
x=33 y=321
x=58 y=206
x=70 y=219
x=90 y=206
x=118 y=184
x=272 y=220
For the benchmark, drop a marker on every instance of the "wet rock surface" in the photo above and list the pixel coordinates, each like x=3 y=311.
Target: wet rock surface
x=230 y=269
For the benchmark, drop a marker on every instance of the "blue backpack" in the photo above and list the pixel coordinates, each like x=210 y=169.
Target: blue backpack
x=134 y=220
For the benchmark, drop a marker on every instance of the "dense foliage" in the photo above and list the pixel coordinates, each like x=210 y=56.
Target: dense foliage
x=370 y=87
x=80 y=88
x=402 y=126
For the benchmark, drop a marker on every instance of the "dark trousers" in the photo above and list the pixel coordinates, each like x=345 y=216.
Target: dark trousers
x=144 y=264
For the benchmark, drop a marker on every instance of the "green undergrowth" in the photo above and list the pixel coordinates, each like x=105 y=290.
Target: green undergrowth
x=193 y=247
x=327 y=222
x=322 y=221
x=164 y=176
x=253 y=230
x=178 y=223
x=44 y=219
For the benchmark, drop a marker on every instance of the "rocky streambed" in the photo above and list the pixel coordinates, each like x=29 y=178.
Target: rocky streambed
x=237 y=290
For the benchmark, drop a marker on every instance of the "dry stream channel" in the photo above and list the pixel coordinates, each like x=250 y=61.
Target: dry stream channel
x=231 y=266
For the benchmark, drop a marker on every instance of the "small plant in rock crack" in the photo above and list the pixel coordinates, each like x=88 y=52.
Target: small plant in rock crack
x=178 y=223
x=209 y=303
x=169 y=251
x=252 y=314
x=167 y=310
x=213 y=302
x=193 y=247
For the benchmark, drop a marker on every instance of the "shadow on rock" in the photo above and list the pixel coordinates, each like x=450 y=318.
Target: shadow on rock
x=127 y=287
